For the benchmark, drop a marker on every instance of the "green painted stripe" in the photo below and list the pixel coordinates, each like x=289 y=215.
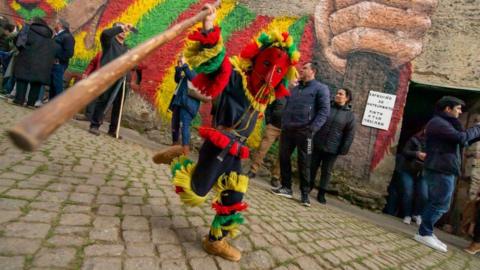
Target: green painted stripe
x=239 y=18
x=297 y=28
x=158 y=20
x=29 y=14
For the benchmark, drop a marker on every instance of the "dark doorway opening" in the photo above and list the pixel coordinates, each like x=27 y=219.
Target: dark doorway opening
x=420 y=105
x=419 y=109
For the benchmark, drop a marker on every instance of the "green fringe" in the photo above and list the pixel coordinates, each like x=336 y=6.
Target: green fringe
x=213 y=64
x=179 y=165
x=219 y=221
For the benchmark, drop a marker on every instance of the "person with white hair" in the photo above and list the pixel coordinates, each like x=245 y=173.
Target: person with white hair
x=65 y=45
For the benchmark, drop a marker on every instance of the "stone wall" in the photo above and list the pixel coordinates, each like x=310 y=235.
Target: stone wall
x=450 y=53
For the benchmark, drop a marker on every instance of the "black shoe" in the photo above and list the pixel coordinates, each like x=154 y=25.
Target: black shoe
x=94 y=131
x=275 y=182
x=305 y=200
x=251 y=174
x=321 y=197
x=283 y=191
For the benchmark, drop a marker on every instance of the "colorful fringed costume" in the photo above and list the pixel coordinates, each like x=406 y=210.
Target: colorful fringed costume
x=242 y=87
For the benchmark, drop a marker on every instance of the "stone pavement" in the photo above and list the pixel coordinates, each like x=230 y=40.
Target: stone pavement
x=86 y=202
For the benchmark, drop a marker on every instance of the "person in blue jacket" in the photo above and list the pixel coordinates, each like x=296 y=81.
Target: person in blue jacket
x=307 y=110
x=184 y=108
x=445 y=138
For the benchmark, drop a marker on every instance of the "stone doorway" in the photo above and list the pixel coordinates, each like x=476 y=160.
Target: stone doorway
x=418 y=110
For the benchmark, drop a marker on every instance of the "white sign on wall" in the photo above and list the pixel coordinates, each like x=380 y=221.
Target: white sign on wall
x=379 y=109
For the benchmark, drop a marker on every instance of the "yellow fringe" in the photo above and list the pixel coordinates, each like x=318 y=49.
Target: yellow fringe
x=183 y=179
x=196 y=55
x=233 y=181
x=233 y=231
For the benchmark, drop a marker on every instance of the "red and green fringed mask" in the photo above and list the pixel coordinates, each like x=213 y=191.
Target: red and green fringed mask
x=270 y=60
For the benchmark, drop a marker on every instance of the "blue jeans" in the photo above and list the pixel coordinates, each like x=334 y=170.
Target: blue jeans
x=414 y=192
x=440 y=190
x=183 y=117
x=41 y=94
x=56 y=84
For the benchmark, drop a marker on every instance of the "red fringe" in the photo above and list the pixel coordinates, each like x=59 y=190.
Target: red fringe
x=221 y=141
x=178 y=189
x=281 y=91
x=227 y=210
x=214 y=85
x=250 y=51
x=210 y=39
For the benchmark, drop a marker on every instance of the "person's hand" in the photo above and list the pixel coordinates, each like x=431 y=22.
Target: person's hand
x=395 y=29
x=421 y=155
x=127 y=27
x=209 y=20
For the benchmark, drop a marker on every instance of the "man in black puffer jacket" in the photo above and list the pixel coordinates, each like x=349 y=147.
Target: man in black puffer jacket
x=333 y=139
x=445 y=138
x=306 y=111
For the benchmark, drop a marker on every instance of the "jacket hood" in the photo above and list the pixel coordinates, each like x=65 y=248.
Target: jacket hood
x=42 y=30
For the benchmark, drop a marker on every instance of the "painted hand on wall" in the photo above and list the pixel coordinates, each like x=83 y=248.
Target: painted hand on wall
x=393 y=28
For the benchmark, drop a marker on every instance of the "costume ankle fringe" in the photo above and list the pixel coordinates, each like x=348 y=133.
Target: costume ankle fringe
x=233 y=220
x=227 y=210
x=182 y=170
x=233 y=181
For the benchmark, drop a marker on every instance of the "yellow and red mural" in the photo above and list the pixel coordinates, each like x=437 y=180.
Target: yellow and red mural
x=239 y=25
x=355 y=41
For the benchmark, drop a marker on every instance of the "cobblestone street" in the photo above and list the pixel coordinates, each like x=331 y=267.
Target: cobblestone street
x=86 y=202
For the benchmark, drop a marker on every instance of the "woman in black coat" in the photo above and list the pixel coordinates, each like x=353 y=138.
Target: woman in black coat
x=35 y=60
x=333 y=139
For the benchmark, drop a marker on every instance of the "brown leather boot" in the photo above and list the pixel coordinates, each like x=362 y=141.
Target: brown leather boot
x=222 y=248
x=473 y=249
x=167 y=155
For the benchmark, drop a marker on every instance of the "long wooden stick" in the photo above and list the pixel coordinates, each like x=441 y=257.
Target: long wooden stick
x=119 y=123
x=31 y=131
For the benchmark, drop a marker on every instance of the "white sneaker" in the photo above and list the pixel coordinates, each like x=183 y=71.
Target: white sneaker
x=38 y=104
x=430 y=241
x=407 y=220
x=440 y=242
x=418 y=220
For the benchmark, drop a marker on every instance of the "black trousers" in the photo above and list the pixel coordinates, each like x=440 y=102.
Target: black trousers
x=209 y=168
x=101 y=105
x=326 y=160
x=302 y=141
x=22 y=91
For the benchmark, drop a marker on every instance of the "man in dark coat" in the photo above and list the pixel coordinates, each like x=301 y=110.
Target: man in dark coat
x=445 y=138
x=113 y=46
x=65 y=46
x=333 y=139
x=34 y=61
x=306 y=111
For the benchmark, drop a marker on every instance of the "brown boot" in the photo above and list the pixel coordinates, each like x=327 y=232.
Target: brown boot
x=473 y=249
x=166 y=156
x=222 y=248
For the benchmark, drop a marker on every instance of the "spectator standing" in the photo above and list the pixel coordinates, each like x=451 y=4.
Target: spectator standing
x=113 y=46
x=333 y=139
x=306 y=111
x=273 y=119
x=411 y=179
x=184 y=108
x=65 y=46
x=34 y=61
x=473 y=222
x=445 y=138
